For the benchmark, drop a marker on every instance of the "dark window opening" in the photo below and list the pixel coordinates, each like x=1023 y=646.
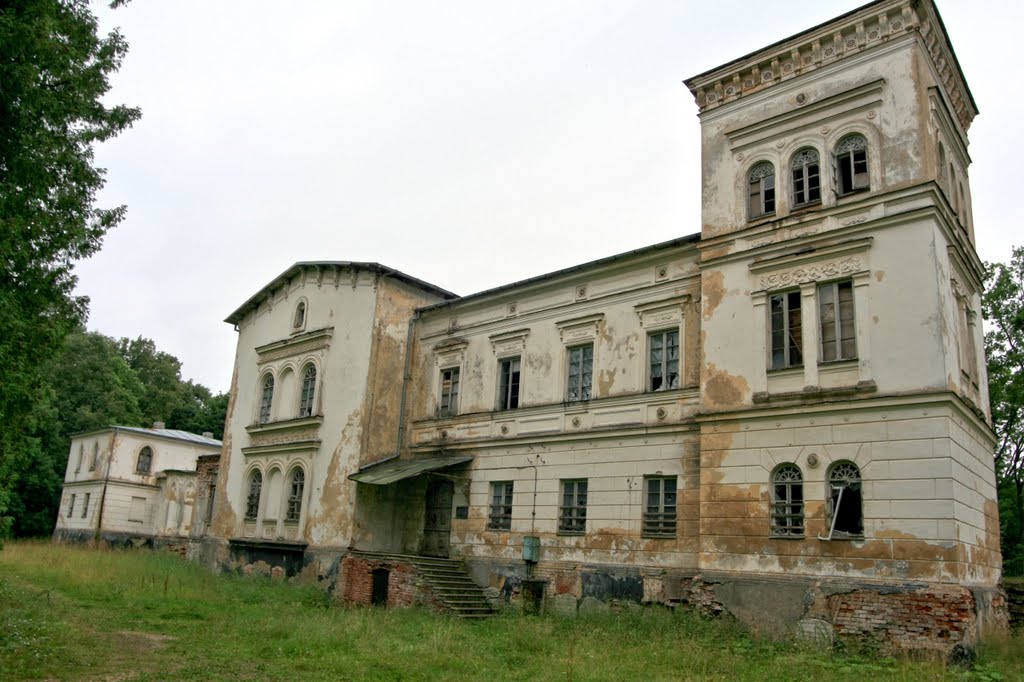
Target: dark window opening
x=663 y=360
x=786 y=331
x=381 y=582
x=145 y=461
x=846 y=516
x=252 y=501
x=852 y=165
x=508 y=387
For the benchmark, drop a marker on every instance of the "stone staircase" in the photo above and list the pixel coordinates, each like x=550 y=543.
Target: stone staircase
x=448 y=582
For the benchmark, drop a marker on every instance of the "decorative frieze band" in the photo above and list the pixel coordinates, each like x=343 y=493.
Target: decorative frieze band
x=810 y=273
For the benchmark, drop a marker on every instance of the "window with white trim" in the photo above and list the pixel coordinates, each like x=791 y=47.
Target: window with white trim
x=761 y=190
x=659 y=519
x=788 y=501
x=786 y=336
x=572 y=513
x=806 y=171
x=835 y=313
x=663 y=360
x=581 y=373
x=448 y=405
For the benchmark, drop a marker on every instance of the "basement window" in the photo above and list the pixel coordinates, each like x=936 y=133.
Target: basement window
x=787 y=501
x=572 y=514
x=845 y=508
x=500 y=515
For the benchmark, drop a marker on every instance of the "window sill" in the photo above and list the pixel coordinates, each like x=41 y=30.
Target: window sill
x=842 y=363
x=496 y=529
x=783 y=371
x=285 y=424
x=658 y=536
x=571 y=533
x=787 y=537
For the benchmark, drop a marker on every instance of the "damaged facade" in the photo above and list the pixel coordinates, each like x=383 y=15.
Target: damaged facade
x=133 y=486
x=784 y=415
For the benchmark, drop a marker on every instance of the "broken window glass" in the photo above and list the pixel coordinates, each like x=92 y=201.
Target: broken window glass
x=845 y=512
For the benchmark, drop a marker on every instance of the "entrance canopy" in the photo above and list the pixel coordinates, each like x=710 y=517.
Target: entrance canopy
x=393 y=470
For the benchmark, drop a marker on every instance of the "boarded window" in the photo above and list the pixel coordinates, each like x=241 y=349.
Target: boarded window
x=572 y=513
x=252 y=500
x=508 y=384
x=788 y=501
x=786 y=331
x=659 y=507
x=761 y=190
x=449 y=403
x=581 y=373
x=663 y=360
x=295 y=488
x=137 y=510
x=145 y=462
x=266 y=399
x=499 y=516
x=308 y=391
x=846 y=519
x=806 y=178
x=835 y=310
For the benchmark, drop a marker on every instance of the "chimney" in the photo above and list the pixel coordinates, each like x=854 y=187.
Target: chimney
x=207 y=434
x=158 y=425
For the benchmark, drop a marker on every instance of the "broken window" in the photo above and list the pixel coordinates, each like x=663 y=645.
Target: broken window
x=298 y=482
x=581 y=373
x=660 y=508
x=572 y=514
x=145 y=462
x=788 y=501
x=95 y=456
x=786 y=334
x=508 y=384
x=851 y=158
x=252 y=500
x=806 y=178
x=266 y=399
x=300 y=315
x=71 y=506
x=85 y=506
x=664 y=360
x=308 y=391
x=835 y=310
x=761 y=190
x=500 y=515
x=845 y=515
x=449 y=403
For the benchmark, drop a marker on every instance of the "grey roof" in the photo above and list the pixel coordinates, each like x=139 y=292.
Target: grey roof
x=283 y=278
x=393 y=470
x=172 y=434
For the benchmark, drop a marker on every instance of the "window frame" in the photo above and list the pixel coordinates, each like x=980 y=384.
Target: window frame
x=843 y=329
x=847 y=180
x=572 y=518
x=499 y=506
x=835 y=499
x=809 y=182
x=299 y=315
x=265 y=407
x=789 y=342
x=307 y=391
x=71 y=506
x=656 y=524
x=510 y=382
x=758 y=187
x=85 y=505
x=253 y=495
x=448 y=391
x=787 y=514
x=664 y=362
x=95 y=456
x=148 y=470
x=296 y=491
x=584 y=376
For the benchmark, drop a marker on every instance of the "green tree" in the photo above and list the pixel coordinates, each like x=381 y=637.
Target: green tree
x=201 y=411
x=1003 y=309
x=160 y=374
x=54 y=73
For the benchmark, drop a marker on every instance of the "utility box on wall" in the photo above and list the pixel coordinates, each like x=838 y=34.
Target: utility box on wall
x=531 y=549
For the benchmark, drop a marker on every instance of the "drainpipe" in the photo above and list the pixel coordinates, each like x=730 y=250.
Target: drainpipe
x=106 y=480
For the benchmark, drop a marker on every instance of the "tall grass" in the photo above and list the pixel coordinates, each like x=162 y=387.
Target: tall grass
x=73 y=613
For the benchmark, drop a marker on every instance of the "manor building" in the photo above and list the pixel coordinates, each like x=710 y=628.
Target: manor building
x=783 y=415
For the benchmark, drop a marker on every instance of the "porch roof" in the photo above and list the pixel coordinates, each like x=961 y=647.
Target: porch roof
x=394 y=470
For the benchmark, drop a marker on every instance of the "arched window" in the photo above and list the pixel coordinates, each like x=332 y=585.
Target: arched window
x=295 y=486
x=806 y=178
x=788 y=501
x=252 y=501
x=845 y=515
x=308 y=391
x=299 y=320
x=266 y=399
x=145 y=462
x=95 y=456
x=852 y=165
x=761 y=190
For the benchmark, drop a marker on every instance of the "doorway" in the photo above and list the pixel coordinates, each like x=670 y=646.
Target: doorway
x=437 y=524
x=381 y=582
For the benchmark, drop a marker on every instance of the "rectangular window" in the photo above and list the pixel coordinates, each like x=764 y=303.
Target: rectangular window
x=581 y=373
x=835 y=310
x=508 y=384
x=85 y=507
x=663 y=360
x=71 y=506
x=660 y=507
x=786 y=335
x=137 y=510
x=572 y=514
x=209 y=503
x=500 y=515
x=449 y=404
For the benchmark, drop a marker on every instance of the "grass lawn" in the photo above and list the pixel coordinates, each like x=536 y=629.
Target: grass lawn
x=69 y=613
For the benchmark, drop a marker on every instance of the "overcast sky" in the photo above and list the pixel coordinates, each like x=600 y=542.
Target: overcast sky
x=469 y=144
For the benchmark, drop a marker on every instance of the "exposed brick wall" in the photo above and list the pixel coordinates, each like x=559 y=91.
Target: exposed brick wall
x=357 y=582
x=930 y=618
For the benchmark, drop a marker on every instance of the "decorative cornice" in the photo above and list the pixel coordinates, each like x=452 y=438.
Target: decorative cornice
x=297 y=345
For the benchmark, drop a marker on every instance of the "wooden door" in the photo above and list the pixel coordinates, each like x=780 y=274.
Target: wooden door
x=437 y=525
